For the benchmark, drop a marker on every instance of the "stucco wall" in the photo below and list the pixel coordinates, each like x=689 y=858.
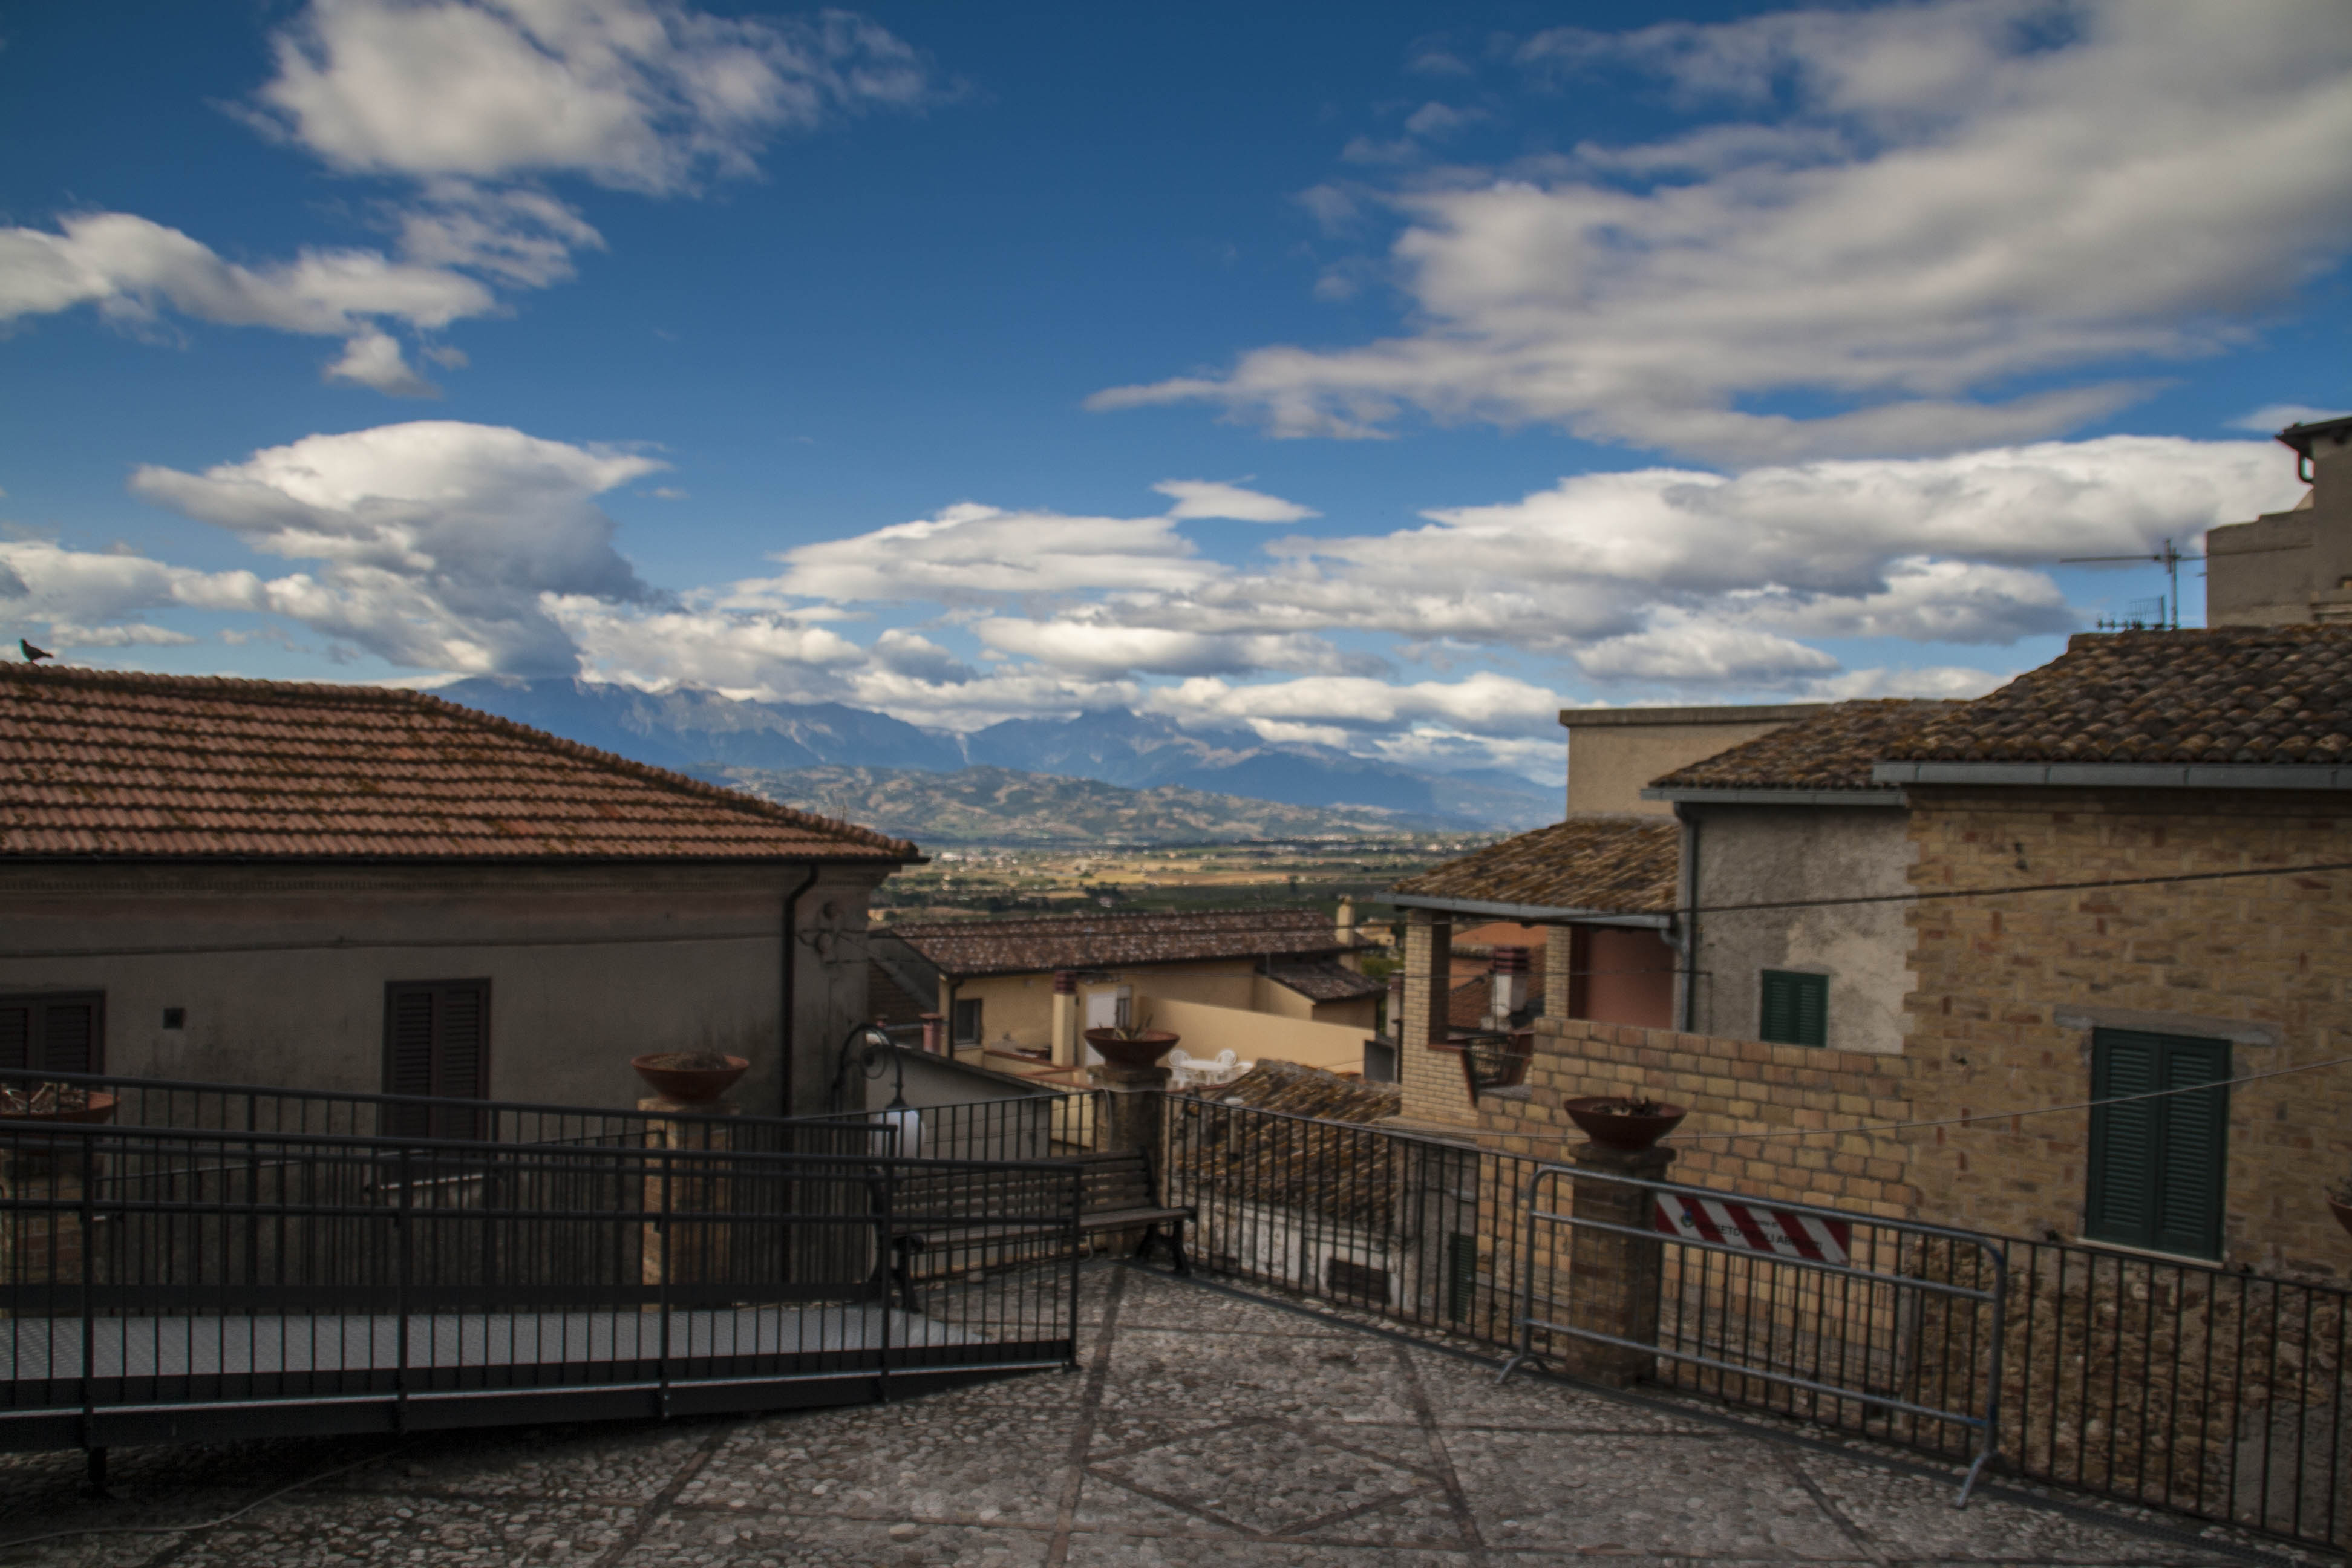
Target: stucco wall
x=1022 y=1005
x=1262 y=1036
x=281 y=972
x=2008 y=987
x=1756 y=854
x=1613 y=753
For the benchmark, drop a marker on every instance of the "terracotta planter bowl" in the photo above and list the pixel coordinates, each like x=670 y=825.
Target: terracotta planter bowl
x=101 y=1108
x=664 y=1073
x=1145 y=1050
x=2343 y=1212
x=1619 y=1129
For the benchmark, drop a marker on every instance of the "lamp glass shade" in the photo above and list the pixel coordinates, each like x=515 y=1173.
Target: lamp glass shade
x=907 y=1125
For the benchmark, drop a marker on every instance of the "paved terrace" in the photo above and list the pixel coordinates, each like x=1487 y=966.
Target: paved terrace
x=1204 y=1430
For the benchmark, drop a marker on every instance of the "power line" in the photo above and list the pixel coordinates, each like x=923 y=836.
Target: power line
x=1922 y=895
x=2036 y=1110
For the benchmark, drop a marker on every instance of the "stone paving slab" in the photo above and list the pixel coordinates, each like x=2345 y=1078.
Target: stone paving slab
x=1205 y=1431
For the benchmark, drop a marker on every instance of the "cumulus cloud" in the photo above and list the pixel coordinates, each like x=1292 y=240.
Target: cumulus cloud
x=1483 y=702
x=437 y=542
x=635 y=94
x=1900 y=210
x=2276 y=417
x=1097 y=645
x=1213 y=498
x=969 y=551
x=130 y=269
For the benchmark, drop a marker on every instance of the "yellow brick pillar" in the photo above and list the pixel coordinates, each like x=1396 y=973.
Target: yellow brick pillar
x=1613 y=1280
x=1436 y=1095
x=694 y=1251
x=1066 y=1019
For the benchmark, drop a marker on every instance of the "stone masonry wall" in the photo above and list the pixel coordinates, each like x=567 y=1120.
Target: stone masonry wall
x=2265 y=960
x=1737 y=1087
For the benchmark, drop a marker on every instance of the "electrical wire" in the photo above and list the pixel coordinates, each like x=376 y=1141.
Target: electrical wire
x=2010 y=1115
x=209 y=1524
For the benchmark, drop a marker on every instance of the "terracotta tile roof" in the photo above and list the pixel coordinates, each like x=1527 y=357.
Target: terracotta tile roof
x=1023 y=944
x=1322 y=1166
x=1327 y=981
x=2222 y=695
x=99 y=763
x=1619 y=863
x=1832 y=751
x=889 y=1003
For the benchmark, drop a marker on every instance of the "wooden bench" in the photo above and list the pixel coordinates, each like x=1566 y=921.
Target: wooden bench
x=1115 y=1193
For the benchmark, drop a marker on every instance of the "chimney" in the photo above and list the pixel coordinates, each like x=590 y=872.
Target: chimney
x=1508 y=985
x=933 y=1033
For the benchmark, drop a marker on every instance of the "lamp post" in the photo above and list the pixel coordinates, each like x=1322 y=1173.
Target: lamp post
x=874 y=1050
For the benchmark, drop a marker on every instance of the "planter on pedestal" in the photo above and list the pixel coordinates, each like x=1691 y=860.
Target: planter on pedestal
x=690 y=1077
x=1141 y=1050
x=2342 y=1211
x=1614 y=1122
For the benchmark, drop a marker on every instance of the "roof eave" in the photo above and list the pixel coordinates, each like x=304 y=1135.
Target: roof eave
x=2119 y=776
x=1697 y=796
x=1532 y=914
x=983 y=971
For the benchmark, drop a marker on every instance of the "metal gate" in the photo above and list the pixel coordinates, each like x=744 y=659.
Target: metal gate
x=1875 y=1325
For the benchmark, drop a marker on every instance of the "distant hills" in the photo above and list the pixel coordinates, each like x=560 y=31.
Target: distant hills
x=698 y=731
x=998 y=805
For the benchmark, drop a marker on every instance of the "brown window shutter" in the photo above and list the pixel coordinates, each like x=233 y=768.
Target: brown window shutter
x=53 y=1033
x=436 y=1035
x=15 y=1035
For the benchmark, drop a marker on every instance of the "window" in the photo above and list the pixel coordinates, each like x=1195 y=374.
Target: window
x=54 y=1032
x=437 y=1041
x=1796 y=1009
x=967 y=1022
x=2157 y=1165
x=1380 y=1062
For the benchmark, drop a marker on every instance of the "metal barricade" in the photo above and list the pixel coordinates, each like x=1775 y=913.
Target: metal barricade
x=1882 y=1315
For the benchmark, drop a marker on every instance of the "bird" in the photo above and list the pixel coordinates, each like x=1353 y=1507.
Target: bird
x=34 y=654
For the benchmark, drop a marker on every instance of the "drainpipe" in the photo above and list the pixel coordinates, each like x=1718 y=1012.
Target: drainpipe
x=1683 y=933
x=784 y=1022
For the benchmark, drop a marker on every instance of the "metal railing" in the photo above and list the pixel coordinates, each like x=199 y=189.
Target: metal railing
x=263 y=1108
x=1859 y=1324
x=2162 y=1383
x=164 y=1284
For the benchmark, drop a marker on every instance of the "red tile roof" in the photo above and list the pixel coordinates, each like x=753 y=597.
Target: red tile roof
x=1832 y=751
x=1326 y=981
x=2219 y=695
x=96 y=764
x=1024 y=944
x=1627 y=865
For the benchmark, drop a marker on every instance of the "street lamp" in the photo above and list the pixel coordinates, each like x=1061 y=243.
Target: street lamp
x=873 y=1051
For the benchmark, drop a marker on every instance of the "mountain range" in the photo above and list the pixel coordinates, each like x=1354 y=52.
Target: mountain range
x=999 y=806
x=698 y=730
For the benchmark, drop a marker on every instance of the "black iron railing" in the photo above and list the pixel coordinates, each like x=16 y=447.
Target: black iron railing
x=164 y=1284
x=260 y=1108
x=2168 y=1383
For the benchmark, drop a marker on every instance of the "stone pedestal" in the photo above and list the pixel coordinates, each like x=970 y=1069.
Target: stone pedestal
x=43 y=1246
x=1066 y=1019
x=697 y=1252
x=1130 y=1115
x=1613 y=1280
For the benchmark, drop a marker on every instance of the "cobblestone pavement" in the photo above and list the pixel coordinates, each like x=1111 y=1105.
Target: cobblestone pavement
x=1203 y=1430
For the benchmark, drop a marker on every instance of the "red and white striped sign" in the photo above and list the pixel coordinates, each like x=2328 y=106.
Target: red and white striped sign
x=1754 y=1226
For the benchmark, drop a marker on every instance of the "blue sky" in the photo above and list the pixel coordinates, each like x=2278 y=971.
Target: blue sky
x=1380 y=376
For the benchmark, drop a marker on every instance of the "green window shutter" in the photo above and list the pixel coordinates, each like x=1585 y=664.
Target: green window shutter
x=1795 y=1009
x=2196 y=1137
x=2158 y=1166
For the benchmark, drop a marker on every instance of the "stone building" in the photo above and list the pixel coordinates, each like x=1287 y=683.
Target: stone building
x=2143 y=755
x=362 y=890
x=1022 y=990
x=2291 y=567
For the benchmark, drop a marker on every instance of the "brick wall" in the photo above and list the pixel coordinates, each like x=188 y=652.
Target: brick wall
x=1434 y=1091
x=1730 y=1087
x=2271 y=954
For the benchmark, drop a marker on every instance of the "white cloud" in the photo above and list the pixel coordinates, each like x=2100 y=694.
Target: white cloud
x=1945 y=680
x=517 y=235
x=436 y=540
x=2275 y=416
x=1213 y=497
x=969 y=551
x=1677 y=649
x=130 y=269
x=635 y=94
x=761 y=658
x=1961 y=194
x=1102 y=647
x=374 y=359
x=1484 y=702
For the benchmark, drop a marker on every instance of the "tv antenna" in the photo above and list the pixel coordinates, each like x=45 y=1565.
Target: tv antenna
x=2167 y=608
